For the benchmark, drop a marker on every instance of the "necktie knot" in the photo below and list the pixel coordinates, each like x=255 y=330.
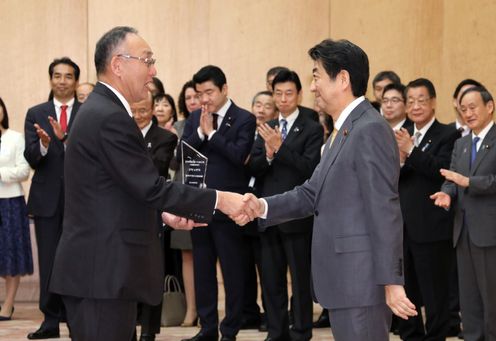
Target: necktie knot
x=284 y=129
x=416 y=140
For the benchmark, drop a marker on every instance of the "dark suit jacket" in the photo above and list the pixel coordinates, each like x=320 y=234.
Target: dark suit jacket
x=309 y=113
x=110 y=244
x=293 y=164
x=476 y=203
x=227 y=150
x=47 y=185
x=161 y=144
x=357 y=230
x=419 y=178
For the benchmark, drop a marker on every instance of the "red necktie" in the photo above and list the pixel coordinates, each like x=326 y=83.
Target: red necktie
x=63 y=118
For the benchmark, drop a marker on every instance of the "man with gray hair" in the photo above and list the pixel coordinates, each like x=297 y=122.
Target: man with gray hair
x=109 y=256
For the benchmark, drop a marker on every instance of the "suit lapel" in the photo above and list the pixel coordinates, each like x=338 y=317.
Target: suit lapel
x=331 y=152
x=486 y=144
x=465 y=156
x=428 y=139
x=228 y=120
x=74 y=111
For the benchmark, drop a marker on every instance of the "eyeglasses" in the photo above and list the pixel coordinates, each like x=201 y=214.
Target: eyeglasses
x=148 y=61
x=420 y=101
x=394 y=100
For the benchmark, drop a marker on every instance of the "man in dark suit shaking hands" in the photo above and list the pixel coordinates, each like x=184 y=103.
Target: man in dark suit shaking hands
x=46 y=129
x=471 y=188
x=109 y=255
x=352 y=194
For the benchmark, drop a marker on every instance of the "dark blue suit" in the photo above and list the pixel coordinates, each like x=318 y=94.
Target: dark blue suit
x=227 y=152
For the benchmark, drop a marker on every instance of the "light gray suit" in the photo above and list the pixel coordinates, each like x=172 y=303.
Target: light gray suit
x=358 y=228
x=474 y=235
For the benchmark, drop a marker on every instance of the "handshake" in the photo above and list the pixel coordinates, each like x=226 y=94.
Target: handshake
x=240 y=208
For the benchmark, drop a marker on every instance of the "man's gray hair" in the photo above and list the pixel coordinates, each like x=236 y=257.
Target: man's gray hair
x=107 y=44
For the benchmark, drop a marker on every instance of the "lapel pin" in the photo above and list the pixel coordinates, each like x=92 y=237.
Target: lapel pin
x=486 y=146
x=228 y=124
x=296 y=129
x=345 y=132
x=149 y=145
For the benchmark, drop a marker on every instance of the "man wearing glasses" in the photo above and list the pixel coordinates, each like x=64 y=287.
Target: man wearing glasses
x=425 y=148
x=109 y=256
x=393 y=106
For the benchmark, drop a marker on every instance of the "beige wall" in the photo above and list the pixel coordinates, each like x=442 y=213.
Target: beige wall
x=444 y=40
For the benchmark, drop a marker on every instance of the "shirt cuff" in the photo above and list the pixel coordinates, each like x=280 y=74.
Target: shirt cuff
x=43 y=149
x=211 y=134
x=216 y=199
x=266 y=208
x=200 y=134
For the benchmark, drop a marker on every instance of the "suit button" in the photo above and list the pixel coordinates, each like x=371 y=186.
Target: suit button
x=316 y=213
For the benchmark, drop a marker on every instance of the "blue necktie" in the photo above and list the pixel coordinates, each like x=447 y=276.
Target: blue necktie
x=284 y=129
x=474 y=150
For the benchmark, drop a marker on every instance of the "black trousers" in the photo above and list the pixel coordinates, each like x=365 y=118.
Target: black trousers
x=100 y=320
x=222 y=240
x=48 y=231
x=280 y=250
x=477 y=275
x=428 y=270
x=251 y=310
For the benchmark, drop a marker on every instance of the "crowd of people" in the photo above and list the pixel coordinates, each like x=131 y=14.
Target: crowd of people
x=445 y=180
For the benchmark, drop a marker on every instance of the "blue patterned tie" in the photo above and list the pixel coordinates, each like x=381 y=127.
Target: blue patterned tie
x=284 y=129
x=474 y=150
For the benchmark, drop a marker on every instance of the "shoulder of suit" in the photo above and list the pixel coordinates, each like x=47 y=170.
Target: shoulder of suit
x=42 y=107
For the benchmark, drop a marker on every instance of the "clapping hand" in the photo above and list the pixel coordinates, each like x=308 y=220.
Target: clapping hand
x=441 y=199
x=271 y=136
x=43 y=136
x=455 y=177
x=206 y=121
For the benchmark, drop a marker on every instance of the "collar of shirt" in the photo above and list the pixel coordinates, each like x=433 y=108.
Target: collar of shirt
x=58 y=107
x=482 y=134
x=290 y=119
x=423 y=131
x=347 y=111
x=465 y=131
x=145 y=130
x=222 y=111
x=399 y=125
x=120 y=97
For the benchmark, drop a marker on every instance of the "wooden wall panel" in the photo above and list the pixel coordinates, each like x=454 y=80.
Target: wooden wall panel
x=33 y=33
x=403 y=36
x=243 y=37
x=468 y=44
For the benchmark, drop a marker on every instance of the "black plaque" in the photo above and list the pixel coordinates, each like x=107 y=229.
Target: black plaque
x=194 y=166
